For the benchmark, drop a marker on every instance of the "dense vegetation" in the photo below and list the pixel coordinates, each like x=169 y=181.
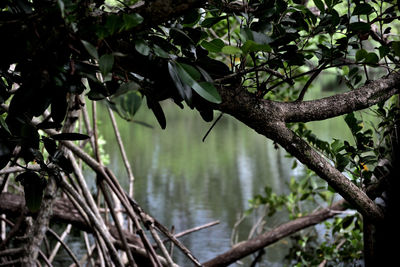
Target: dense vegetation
x=254 y=60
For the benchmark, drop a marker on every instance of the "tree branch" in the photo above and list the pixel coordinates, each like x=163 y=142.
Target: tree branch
x=333 y=106
x=248 y=247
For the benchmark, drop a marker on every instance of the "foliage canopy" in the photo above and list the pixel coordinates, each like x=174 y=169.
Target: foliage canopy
x=255 y=60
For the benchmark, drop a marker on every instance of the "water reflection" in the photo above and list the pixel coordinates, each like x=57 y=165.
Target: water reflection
x=185 y=183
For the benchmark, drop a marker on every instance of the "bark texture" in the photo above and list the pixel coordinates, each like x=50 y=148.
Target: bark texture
x=251 y=246
x=63 y=212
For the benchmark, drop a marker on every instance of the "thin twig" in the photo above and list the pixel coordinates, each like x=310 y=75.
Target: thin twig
x=123 y=153
x=117 y=224
x=60 y=240
x=212 y=126
x=161 y=246
x=105 y=235
x=308 y=83
x=195 y=229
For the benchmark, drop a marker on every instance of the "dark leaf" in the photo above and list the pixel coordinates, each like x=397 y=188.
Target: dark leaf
x=59 y=107
x=158 y=112
x=91 y=49
x=191 y=18
x=362 y=9
x=361 y=27
x=320 y=5
x=347 y=221
x=64 y=163
x=33 y=188
x=131 y=20
x=180 y=37
x=396 y=48
x=70 y=136
x=371 y=59
x=106 y=63
x=49 y=125
x=50 y=145
x=383 y=51
x=184 y=90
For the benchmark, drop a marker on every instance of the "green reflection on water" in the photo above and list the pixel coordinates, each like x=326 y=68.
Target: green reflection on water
x=185 y=183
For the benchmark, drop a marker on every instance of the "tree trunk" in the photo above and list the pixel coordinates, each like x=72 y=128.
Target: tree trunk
x=380 y=240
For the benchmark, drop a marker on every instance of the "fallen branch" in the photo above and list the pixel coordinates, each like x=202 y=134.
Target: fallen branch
x=251 y=246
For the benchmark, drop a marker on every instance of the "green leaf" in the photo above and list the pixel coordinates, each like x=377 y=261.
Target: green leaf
x=91 y=49
x=131 y=20
x=251 y=46
x=142 y=47
x=4 y=124
x=361 y=54
x=183 y=89
x=214 y=46
x=258 y=37
x=114 y=24
x=383 y=51
x=320 y=5
x=106 y=63
x=70 y=136
x=160 y=52
x=372 y=58
x=192 y=71
x=208 y=92
x=33 y=189
x=362 y=9
x=129 y=104
x=231 y=50
x=189 y=75
x=180 y=37
x=396 y=48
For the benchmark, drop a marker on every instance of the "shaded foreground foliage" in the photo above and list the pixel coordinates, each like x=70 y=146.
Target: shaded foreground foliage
x=253 y=60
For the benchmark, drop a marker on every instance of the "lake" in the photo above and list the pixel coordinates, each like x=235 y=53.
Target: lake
x=184 y=182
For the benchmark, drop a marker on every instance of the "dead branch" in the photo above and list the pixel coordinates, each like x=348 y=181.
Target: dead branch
x=251 y=246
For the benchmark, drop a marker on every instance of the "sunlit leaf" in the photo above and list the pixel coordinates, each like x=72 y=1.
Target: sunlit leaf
x=231 y=50
x=213 y=46
x=251 y=46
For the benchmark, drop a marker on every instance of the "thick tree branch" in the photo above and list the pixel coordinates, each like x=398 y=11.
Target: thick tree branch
x=248 y=247
x=333 y=106
x=266 y=117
